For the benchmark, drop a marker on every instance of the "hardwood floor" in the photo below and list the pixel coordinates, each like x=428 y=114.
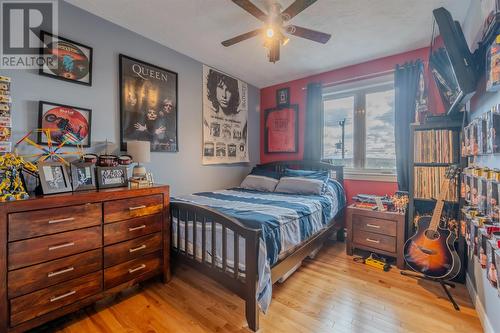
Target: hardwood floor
x=331 y=293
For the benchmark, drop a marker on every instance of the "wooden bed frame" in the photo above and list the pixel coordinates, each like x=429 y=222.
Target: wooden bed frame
x=245 y=286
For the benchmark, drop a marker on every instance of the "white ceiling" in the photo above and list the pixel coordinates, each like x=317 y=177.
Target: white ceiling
x=361 y=30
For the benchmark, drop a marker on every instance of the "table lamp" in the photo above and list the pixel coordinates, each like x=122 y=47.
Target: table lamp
x=140 y=152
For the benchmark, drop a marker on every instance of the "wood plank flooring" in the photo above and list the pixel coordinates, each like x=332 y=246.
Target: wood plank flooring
x=331 y=293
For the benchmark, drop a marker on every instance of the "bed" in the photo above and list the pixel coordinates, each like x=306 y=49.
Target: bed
x=247 y=240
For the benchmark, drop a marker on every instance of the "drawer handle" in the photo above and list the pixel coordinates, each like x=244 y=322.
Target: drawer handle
x=142 y=247
x=132 y=270
x=137 y=207
x=56 y=247
x=62 y=271
x=137 y=228
x=372 y=241
x=56 y=298
x=373 y=225
x=62 y=220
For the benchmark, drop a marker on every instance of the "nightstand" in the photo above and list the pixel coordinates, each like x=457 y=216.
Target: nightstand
x=378 y=232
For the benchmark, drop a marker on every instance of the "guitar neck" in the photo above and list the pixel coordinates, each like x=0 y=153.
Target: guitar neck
x=438 y=210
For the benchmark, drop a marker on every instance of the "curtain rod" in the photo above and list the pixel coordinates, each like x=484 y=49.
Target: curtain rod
x=360 y=77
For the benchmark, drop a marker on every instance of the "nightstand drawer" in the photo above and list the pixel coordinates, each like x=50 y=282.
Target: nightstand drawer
x=371 y=224
x=376 y=241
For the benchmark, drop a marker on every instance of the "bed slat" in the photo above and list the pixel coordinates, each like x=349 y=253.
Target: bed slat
x=236 y=260
x=186 y=234
x=224 y=248
x=213 y=243
x=178 y=230
x=203 y=239
x=194 y=236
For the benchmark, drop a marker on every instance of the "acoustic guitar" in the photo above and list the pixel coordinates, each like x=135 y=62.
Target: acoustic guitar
x=430 y=251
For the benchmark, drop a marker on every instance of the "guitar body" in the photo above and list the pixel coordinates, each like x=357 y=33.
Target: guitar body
x=431 y=252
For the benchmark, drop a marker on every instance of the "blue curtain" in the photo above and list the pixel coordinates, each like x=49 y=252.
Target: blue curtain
x=406 y=80
x=313 y=136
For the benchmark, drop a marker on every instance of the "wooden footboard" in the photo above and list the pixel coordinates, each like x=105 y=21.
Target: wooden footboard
x=242 y=282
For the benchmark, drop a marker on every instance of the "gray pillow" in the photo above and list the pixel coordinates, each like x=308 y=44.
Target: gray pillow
x=259 y=183
x=300 y=185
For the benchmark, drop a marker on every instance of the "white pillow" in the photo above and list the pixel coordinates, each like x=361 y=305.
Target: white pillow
x=259 y=183
x=300 y=185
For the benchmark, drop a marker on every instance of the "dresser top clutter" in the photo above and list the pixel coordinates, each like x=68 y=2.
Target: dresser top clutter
x=62 y=252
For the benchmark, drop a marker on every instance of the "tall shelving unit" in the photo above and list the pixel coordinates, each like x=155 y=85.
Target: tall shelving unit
x=420 y=206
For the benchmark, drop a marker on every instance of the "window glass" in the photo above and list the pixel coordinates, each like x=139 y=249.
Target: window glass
x=336 y=111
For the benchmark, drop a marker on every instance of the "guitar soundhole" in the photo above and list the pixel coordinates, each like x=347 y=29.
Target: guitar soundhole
x=432 y=234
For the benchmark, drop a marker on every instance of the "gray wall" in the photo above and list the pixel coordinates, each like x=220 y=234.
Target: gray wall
x=482 y=102
x=182 y=170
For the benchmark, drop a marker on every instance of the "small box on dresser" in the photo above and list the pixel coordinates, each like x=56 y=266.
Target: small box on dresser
x=378 y=232
x=62 y=252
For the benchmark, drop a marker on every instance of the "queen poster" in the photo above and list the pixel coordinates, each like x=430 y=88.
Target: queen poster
x=148 y=105
x=225 y=116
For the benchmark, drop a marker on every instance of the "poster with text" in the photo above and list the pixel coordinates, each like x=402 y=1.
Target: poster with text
x=225 y=118
x=148 y=105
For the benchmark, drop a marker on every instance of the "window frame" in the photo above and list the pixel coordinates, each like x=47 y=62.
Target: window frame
x=359 y=90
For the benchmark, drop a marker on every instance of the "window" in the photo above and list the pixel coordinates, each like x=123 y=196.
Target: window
x=363 y=114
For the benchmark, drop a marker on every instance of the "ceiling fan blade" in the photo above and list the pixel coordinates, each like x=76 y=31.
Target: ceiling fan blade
x=241 y=37
x=296 y=7
x=313 y=35
x=251 y=8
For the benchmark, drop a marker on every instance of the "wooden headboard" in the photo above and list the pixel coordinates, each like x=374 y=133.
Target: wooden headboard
x=280 y=166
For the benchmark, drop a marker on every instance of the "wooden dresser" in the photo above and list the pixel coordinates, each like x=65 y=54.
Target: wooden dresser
x=62 y=252
x=378 y=232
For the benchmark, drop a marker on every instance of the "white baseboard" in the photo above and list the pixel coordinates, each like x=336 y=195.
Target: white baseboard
x=487 y=328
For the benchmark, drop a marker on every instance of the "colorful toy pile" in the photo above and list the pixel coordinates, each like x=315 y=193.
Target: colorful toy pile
x=12 y=185
x=5 y=116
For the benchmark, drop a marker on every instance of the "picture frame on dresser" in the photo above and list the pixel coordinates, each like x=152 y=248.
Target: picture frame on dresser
x=109 y=177
x=71 y=61
x=83 y=176
x=54 y=177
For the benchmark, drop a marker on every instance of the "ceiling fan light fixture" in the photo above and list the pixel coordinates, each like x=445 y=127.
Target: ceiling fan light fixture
x=270 y=32
x=285 y=41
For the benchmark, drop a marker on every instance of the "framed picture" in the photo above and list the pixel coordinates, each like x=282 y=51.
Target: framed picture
x=283 y=97
x=66 y=60
x=225 y=118
x=112 y=177
x=148 y=105
x=83 y=176
x=54 y=177
x=281 y=130
x=68 y=123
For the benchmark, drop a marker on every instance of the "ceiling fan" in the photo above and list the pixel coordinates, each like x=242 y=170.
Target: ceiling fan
x=275 y=26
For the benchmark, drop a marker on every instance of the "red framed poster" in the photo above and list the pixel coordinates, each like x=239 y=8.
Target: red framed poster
x=281 y=129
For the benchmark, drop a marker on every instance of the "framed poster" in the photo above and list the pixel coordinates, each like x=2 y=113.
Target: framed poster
x=148 y=105
x=283 y=97
x=66 y=60
x=68 y=123
x=225 y=118
x=281 y=132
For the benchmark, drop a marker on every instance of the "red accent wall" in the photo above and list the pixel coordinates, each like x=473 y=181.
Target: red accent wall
x=298 y=96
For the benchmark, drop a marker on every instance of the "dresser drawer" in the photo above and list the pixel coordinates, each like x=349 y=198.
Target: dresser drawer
x=371 y=224
x=26 y=280
x=376 y=241
x=122 y=231
x=50 y=221
x=118 y=210
x=49 y=299
x=36 y=250
x=134 y=248
x=129 y=270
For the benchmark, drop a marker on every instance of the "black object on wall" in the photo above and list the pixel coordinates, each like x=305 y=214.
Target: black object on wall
x=313 y=137
x=406 y=78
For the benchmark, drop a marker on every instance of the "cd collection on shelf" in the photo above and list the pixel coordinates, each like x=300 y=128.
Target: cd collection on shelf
x=428 y=182
x=435 y=146
x=480 y=136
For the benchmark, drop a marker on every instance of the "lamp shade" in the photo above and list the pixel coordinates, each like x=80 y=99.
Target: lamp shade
x=139 y=150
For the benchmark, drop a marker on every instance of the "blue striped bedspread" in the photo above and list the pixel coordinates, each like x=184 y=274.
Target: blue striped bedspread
x=286 y=220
